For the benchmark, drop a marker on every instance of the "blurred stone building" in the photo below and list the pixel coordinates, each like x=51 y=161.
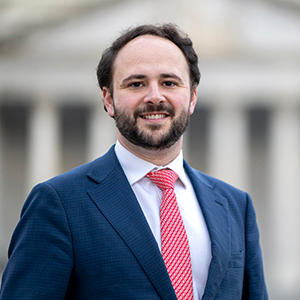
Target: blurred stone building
x=246 y=129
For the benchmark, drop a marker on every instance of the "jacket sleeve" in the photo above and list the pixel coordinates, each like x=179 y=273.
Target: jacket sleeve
x=40 y=253
x=254 y=287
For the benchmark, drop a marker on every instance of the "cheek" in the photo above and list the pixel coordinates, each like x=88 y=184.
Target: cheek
x=179 y=106
x=126 y=102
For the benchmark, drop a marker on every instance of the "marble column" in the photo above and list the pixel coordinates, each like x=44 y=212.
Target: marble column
x=3 y=245
x=284 y=208
x=228 y=148
x=102 y=132
x=44 y=144
x=185 y=146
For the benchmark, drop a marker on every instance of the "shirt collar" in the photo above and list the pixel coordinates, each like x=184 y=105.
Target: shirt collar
x=136 y=168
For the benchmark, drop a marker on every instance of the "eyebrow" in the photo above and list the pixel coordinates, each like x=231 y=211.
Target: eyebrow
x=141 y=76
x=171 y=75
x=133 y=76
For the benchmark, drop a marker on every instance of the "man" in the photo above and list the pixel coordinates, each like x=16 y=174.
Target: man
x=97 y=232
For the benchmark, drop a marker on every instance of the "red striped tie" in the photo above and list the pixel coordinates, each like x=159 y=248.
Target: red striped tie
x=174 y=242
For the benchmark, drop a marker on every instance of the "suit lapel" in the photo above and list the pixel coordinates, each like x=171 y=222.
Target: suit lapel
x=116 y=201
x=215 y=210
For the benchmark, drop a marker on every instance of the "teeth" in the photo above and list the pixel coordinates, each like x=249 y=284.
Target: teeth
x=154 y=117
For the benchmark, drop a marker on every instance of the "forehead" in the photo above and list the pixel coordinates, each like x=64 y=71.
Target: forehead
x=150 y=50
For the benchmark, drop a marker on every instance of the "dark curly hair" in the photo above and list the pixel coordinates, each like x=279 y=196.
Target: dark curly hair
x=167 y=31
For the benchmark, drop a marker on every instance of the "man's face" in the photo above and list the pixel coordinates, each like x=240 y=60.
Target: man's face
x=152 y=96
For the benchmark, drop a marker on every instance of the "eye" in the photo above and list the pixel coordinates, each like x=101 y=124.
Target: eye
x=136 y=84
x=169 y=83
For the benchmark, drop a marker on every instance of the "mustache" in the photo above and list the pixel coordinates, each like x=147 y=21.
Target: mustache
x=149 y=108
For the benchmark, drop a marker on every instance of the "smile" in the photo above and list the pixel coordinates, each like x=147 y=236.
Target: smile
x=154 y=116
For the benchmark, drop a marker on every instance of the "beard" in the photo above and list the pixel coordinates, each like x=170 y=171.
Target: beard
x=129 y=128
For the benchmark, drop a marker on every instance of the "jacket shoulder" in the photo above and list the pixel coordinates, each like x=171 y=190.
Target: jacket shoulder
x=219 y=187
x=84 y=176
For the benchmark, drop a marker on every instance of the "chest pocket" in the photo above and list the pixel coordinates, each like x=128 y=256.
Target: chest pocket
x=237 y=260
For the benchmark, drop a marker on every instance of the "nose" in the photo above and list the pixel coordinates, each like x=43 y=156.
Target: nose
x=154 y=94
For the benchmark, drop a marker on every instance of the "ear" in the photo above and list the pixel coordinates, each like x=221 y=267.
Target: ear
x=193 y=100
x=108 y=101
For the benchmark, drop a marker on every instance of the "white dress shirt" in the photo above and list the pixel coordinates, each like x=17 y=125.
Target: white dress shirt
x=149 y=198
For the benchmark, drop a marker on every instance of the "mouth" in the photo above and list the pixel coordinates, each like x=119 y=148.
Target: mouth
x=154 y=116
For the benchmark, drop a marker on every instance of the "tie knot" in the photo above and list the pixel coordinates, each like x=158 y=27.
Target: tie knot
x=164 y=179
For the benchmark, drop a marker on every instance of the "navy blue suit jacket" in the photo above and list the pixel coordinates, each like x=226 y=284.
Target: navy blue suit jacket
x=82 y=235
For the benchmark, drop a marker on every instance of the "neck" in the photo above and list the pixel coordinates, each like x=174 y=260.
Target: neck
x=160 y=157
